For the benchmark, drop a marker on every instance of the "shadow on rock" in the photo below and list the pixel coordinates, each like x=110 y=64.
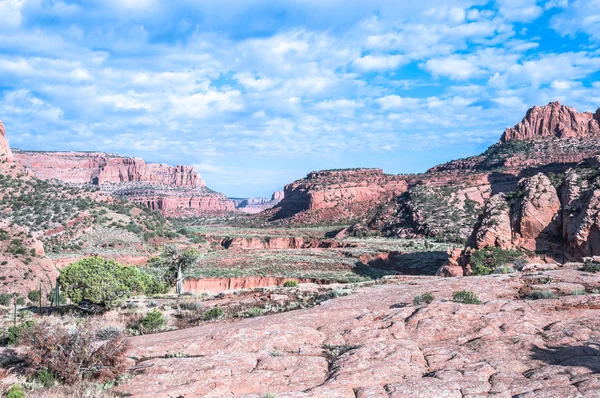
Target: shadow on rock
x=398 y=263
x=581 y=355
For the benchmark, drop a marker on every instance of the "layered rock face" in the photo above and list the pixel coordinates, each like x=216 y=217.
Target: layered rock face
x=105 y=170
x=447 y=199
x=337 y=194
x=173 y=190
x=5 y=152
x=554 y=121
x=539 y=219
x=256 y=205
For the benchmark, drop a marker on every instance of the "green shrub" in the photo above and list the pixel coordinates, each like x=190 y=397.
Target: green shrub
x=45 y=378
x=589 y=266
x=16 y=332
x=541 y=295
x=290 y=284
x=5 y=299
x=15 y=391
x=153 y=321
x=465 y=297
x=34 y=296
x=486 y=260
x=425 y=298
x=578 y=292
x=254 y=311
x=108 y=332
x=105 y=282
x=213 y=313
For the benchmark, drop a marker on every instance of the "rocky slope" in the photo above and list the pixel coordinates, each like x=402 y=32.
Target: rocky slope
x=377 y=343
x=561 y=220
x=447 y=200
x=336 y=195
x=173 y=190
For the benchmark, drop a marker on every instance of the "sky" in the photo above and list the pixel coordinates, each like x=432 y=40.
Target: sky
x=255 y=94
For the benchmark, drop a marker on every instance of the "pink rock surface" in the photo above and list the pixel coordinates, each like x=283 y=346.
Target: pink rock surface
x=5 y=152
x=367 y=345
x=554 y=121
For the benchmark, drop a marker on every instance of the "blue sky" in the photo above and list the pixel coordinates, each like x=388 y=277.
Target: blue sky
x=256 y=94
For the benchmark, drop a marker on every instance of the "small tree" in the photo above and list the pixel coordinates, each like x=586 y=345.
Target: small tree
x=105 y=282
x=173 y=261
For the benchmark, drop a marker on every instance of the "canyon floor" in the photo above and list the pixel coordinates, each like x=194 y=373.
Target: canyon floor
x=375 y=342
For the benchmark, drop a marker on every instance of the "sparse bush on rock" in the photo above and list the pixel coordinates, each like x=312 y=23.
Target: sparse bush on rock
x=425 y=298
x=465 y=297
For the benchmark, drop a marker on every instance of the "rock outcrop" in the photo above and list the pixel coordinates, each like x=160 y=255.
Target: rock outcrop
x=377 y=343
x=173 y=190
x=105 y=170
x=23 y=262
x=554 y=121
x=256 y=205
x=333 y=195
x=5 y=152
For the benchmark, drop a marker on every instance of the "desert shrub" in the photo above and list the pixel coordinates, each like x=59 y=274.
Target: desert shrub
x=290 y=284
x=73 y=355
x=590 y=266
x=152 y=322
x=34 y=296
x=20 y=301
x=578 y=292
x=487 y=260
x=15 y=391
x=190 y=305
x=5 y=299
x=425 y=298
x=108 y=332
x=16 y=332
x=252 y=312
x=213 y=313
x=45 y=378
x=105 y=282
x=541 y=294
x=465 y=297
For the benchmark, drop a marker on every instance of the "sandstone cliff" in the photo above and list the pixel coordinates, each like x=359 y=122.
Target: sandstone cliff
x=5 y=152
x=174 y=190
x=256 y=205
x=554 y=121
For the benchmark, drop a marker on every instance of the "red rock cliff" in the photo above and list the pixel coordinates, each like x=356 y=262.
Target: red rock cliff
x=554 y=121
x=104 y=169
x=5 y=152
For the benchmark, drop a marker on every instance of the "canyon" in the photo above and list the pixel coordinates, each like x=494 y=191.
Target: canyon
x=173 y=190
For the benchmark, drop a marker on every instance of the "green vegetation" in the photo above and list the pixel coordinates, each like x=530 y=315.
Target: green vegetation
x=153 y=321
x=105 y=282
x=170 y=261
x=15 y=391
x=485 y=261
x=213 y=313
x=34 y=296
x=425 y=298
x=16 y=332
x=465 y=297
x=590 y=266
x=45 y=378
x=290 y=284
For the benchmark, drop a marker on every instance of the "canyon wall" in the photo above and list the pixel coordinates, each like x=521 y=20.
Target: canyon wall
x=173 y=190
x=5 y=152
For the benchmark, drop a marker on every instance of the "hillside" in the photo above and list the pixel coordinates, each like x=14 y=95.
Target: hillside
x=446 y=201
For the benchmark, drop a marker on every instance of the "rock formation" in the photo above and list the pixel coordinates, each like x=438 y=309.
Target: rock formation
x=5 y=152
x=554 y=121
x=174 y=190
x=336 y=194
x=256 y=205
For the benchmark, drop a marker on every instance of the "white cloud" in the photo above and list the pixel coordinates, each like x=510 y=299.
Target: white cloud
x=10 y=10
x=379 y=62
